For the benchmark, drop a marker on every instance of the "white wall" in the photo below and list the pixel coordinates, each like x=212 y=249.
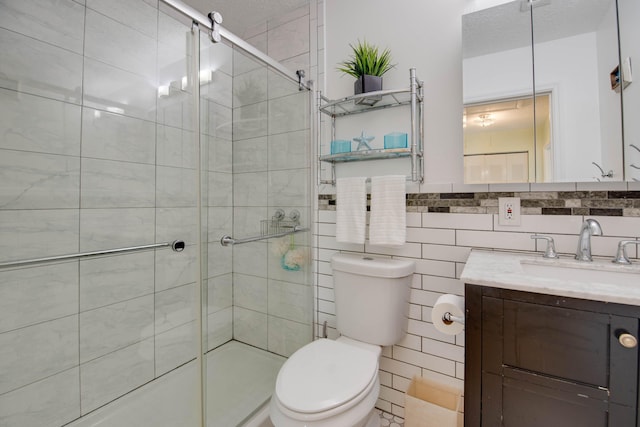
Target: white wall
x=476 y=5
x=497 y=75
x=424 y=35
x=610 y=114
x=569 y=67
x=566 y=67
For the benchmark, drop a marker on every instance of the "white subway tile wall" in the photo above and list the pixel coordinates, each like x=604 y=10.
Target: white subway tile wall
x=444 y=241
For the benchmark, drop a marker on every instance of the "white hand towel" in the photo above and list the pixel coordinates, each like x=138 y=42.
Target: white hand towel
x=351 y=210
x=388 y=223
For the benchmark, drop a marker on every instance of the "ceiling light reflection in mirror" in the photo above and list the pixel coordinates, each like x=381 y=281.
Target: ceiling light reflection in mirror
x=502 y=146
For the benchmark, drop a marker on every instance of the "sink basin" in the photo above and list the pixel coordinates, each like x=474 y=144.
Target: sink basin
x=576 y=272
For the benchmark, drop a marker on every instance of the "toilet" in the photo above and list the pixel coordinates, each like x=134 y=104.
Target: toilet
x=334 y=383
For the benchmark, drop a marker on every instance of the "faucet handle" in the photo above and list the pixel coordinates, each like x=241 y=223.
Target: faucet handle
x=621 y=254
x=550 y=251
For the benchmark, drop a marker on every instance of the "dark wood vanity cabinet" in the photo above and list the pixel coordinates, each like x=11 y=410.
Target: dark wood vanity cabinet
x=535 y=360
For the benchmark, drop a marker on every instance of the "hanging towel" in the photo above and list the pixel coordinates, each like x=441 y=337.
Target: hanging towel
x=351 y=211
x=388 y=223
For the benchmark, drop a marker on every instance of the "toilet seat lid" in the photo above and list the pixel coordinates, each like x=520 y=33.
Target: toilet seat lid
x=323 y=375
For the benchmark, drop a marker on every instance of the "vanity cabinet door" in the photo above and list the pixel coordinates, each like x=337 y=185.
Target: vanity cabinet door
x=557 y=342
x=542 y=361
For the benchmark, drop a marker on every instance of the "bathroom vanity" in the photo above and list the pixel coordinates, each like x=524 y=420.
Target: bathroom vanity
x=550 y=342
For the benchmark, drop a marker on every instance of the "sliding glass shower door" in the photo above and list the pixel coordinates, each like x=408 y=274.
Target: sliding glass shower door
x=255 y=131
x=97 y=152
x=123 y=126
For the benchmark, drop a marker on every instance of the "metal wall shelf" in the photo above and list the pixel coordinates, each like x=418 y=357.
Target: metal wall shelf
x=378 y=154
x=411 y=96
x=349 y=105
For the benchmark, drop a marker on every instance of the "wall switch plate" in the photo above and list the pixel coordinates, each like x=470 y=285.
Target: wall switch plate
x=509 y=210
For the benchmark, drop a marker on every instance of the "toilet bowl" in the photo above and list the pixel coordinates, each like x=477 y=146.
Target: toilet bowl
x=331 y=383
x=327 y=384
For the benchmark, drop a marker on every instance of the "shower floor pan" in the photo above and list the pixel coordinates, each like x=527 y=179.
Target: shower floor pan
x=240 y=380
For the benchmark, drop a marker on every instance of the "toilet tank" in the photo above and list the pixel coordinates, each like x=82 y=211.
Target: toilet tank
x=372 y=297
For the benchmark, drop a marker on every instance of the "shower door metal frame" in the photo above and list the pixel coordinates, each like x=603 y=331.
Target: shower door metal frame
x=193 y=67
x=204 y=22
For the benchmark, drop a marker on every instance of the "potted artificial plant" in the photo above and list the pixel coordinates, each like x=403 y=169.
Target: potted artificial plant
x=367 y=64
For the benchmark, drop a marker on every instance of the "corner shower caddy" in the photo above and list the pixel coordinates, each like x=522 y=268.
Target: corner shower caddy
x=412 y=96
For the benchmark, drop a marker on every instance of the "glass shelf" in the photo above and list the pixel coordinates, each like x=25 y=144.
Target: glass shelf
x=378 y=154
x=350 y=104
x=371 y=101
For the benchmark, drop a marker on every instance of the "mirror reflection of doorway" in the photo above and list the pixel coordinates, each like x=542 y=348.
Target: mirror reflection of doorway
x=502 y=144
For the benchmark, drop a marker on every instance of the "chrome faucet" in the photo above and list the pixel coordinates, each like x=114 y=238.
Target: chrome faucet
x=590 y=227
x=621 y=254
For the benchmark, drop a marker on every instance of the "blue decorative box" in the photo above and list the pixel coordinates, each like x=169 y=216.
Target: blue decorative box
x=340 y=146
x=395 y=140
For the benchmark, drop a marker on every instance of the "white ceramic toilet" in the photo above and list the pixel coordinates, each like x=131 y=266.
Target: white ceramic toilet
x=331 y=383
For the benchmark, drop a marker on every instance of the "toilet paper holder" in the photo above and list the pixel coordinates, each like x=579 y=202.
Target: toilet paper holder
x=448 y=314
x=449 y=318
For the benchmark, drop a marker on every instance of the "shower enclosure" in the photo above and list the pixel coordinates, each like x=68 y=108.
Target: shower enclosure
x=124 y=128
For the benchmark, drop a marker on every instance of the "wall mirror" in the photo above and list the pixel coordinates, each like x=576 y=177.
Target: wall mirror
x=543 y=91
x=629 y=16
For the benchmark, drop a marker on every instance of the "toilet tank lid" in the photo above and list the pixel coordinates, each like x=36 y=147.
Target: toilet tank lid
x=367 y=265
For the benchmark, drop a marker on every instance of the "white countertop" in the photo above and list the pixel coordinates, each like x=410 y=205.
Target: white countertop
x=505 y=270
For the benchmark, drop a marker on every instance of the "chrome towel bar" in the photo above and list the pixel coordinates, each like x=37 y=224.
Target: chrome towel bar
x=228 y=240
x=176 y=245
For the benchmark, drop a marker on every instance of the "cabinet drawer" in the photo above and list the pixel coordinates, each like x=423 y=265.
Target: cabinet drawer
x=533 y=401
x=555 y=341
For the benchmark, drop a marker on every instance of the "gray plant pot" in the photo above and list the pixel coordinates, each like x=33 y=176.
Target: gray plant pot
x=365 y=84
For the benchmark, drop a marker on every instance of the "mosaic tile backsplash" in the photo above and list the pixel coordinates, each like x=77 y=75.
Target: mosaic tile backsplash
x=599 y=203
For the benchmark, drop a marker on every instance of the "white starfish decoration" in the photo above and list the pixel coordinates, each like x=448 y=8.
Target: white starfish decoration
x=363 y=141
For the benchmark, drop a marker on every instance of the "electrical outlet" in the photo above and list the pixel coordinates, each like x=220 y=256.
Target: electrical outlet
x=508 y=214
x=509 y=211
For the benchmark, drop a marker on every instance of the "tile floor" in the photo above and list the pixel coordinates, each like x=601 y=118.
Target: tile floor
x=390 y=420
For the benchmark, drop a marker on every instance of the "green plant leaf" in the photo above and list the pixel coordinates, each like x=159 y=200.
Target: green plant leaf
x=366 y=59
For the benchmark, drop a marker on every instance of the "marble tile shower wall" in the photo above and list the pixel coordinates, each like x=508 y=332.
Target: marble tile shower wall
x=91 y=158
x=440 y=244
x=271 y=170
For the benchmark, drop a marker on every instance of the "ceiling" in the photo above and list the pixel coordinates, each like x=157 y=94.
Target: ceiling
x=506 y=26
x=240 y=15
